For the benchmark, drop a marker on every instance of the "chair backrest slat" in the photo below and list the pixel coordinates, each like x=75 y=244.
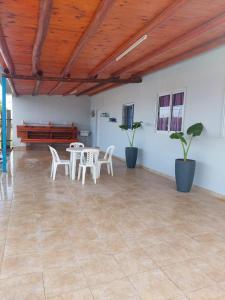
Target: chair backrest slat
x=89 y=156
x=54 y=153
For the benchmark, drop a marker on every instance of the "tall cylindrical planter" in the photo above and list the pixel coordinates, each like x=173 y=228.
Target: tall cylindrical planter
x=131 y=157
x=184 y=172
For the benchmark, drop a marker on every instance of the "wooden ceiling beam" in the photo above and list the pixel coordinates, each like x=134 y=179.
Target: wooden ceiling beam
x=176 y=59
x=69 y=80
x=96 y=22
x=147 y=29
x=37 y=83
x=12 y=87
x=98 y=90
x=4 y=51
x=42 y=30
x=56 y=87
x=92 y=28
x=182 y=39
x=72 y=91
x=99 y=85
x=185 y=55
x=90 y=89
x=36 y=88
x=44 y=19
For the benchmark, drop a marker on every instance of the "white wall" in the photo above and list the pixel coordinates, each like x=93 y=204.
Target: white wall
x=44 y=109
x=204 y=79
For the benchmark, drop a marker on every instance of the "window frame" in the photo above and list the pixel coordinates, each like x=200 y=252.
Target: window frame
x=125 y=105
x=171 y=93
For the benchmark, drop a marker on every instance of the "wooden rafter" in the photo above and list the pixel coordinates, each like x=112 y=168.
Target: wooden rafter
x=72 y=91
x=97 y=20
x=36 y=87
x=44 y=19
x=105 y=88
x=178 y=58
x=37 y=84
x=185 y=55
x=90 y=89
x=190 y=27
x=95 y=23
x=58 y=85
x=4 y=51
x=12 y=87
x=193 y=34
x=77 y=88
x=147 y=29
x=69 y=80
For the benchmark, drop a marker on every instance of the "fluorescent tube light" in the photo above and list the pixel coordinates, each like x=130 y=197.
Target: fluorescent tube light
x=128 y=50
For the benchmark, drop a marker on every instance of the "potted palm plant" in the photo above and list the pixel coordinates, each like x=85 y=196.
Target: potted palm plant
x=131 y=151
x=184 y=167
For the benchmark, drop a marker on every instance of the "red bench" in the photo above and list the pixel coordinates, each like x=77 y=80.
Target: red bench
x=47 y=134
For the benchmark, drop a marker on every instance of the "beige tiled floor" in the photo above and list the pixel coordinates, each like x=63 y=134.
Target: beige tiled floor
x=131 y=236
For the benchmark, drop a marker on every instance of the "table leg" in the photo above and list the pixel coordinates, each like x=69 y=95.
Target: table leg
x=72 y=165
x=97 y=167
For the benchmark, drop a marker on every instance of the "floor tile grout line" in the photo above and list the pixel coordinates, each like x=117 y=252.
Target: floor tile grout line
x=127 y=277
x=43 y=283
x=139 y=296
x=91 y=292
x=84 y=275
x=171 y=280
x=90 y=288
x=202 y=288
x=161 y=268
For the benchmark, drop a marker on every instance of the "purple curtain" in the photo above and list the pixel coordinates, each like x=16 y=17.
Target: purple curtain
x=176 y=121
x=178 y=99
x=162 y=124
x=164 y=101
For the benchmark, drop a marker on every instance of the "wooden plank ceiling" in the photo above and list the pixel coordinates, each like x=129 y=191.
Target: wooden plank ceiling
x=73 y=39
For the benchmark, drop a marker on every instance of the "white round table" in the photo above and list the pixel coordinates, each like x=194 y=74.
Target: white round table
x=73 y=158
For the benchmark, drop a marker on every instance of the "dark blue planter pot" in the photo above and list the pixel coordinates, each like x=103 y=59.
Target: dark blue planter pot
x=184 y=172
x=131 y=157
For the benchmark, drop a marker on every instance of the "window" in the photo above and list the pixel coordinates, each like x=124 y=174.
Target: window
x=128 y=115
x=170 y=112
x=163 y=113
x=177 y=112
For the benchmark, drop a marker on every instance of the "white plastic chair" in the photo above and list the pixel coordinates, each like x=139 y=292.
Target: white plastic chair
x=88 y=159
x=107 y=159
x=56 y=161
x=76 y=144
x=74 y=156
